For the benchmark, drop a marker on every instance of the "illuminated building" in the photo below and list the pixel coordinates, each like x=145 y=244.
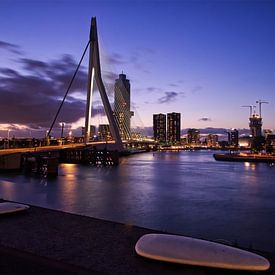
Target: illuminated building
x=159 y=126
x=122 y=111
x=212 y=140
x=255 y=124
x=245 y=141
x=270 y=143
x=233 y=138
x=92 y=131
x=267 y=132
x=104 y=132
x=173 y=127
x=193 y=136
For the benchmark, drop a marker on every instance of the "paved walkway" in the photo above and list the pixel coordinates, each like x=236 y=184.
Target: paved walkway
x=48 y=241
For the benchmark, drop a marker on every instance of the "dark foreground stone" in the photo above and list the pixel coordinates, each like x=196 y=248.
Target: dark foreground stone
x=43 y=241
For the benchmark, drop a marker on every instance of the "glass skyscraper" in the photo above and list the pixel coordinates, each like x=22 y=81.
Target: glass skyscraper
x=122 y=111
x=173 y=127
x=159 y=127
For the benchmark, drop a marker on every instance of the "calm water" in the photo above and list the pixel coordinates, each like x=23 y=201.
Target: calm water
x=186 y=192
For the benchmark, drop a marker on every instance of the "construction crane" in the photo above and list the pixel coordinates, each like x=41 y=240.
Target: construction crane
x=260 y=102
x=251 y=108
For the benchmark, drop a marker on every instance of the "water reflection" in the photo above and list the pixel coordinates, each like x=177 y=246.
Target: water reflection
x=8 y=189
x=250 y=166
x=181 y=192
x=69 y=169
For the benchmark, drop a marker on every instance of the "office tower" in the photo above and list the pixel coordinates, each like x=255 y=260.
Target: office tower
x=92 y=131
x=255 y=124
x=122 y=111
x=104 y=132
x=159 y=126
x=193 y=136
x=212 y=140
x=173 y=127
x=270 y=143
x=233 y=138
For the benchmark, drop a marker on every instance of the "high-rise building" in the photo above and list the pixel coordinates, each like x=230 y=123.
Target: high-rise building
x=173 y=127
x=270 y=143
x=255 y=124
x=122 y=111
x=212 y=140
x=233 y=138
x=104 y=132
x=159 y=126
x=193 y=136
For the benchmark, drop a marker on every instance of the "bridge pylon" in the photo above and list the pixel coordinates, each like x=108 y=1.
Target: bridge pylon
x=94 y=72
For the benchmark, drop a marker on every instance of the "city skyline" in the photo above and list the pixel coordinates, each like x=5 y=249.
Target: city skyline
x=201 y=59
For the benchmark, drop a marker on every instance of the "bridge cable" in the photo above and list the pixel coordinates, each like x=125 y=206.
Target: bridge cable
x=71 y=82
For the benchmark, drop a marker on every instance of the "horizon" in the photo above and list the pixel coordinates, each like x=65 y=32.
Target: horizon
x=147 y=131
x=203 y=59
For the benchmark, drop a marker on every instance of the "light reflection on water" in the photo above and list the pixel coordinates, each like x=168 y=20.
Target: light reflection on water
x=181 y=192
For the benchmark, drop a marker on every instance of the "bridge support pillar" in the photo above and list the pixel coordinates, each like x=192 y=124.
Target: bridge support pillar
x=95 y=73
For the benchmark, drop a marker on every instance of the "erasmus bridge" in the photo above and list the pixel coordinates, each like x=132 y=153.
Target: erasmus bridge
x=119 y=119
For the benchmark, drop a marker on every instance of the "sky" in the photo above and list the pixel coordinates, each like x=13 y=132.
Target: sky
x=203 y=59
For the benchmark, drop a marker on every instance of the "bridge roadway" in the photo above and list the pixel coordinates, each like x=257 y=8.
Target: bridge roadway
x=98 y=144
x=49 y=148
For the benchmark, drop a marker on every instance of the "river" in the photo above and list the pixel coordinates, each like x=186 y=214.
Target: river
x=183 y=192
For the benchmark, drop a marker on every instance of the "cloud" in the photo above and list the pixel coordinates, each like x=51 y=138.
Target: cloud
x=153 y=89
x=196 y=89
x=98 y=111
x=205 y=119
x=32 y=94
x=173 y=85
x=10 y=47
x=8 y=72
x=140 y=57
x=109 y=76
x=168 y=97
x=115 y=59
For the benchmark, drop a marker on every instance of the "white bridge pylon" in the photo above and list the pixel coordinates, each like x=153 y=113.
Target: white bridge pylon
x=95 y=73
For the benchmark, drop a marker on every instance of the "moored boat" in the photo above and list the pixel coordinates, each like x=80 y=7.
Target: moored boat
x=266 y=158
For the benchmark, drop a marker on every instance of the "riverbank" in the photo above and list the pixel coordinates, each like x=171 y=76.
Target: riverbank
x=49 y=241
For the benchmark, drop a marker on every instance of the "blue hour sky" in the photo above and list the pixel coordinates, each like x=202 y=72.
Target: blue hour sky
x=203 y=59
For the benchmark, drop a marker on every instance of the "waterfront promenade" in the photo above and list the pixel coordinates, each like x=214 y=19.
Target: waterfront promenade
x=49 y=241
